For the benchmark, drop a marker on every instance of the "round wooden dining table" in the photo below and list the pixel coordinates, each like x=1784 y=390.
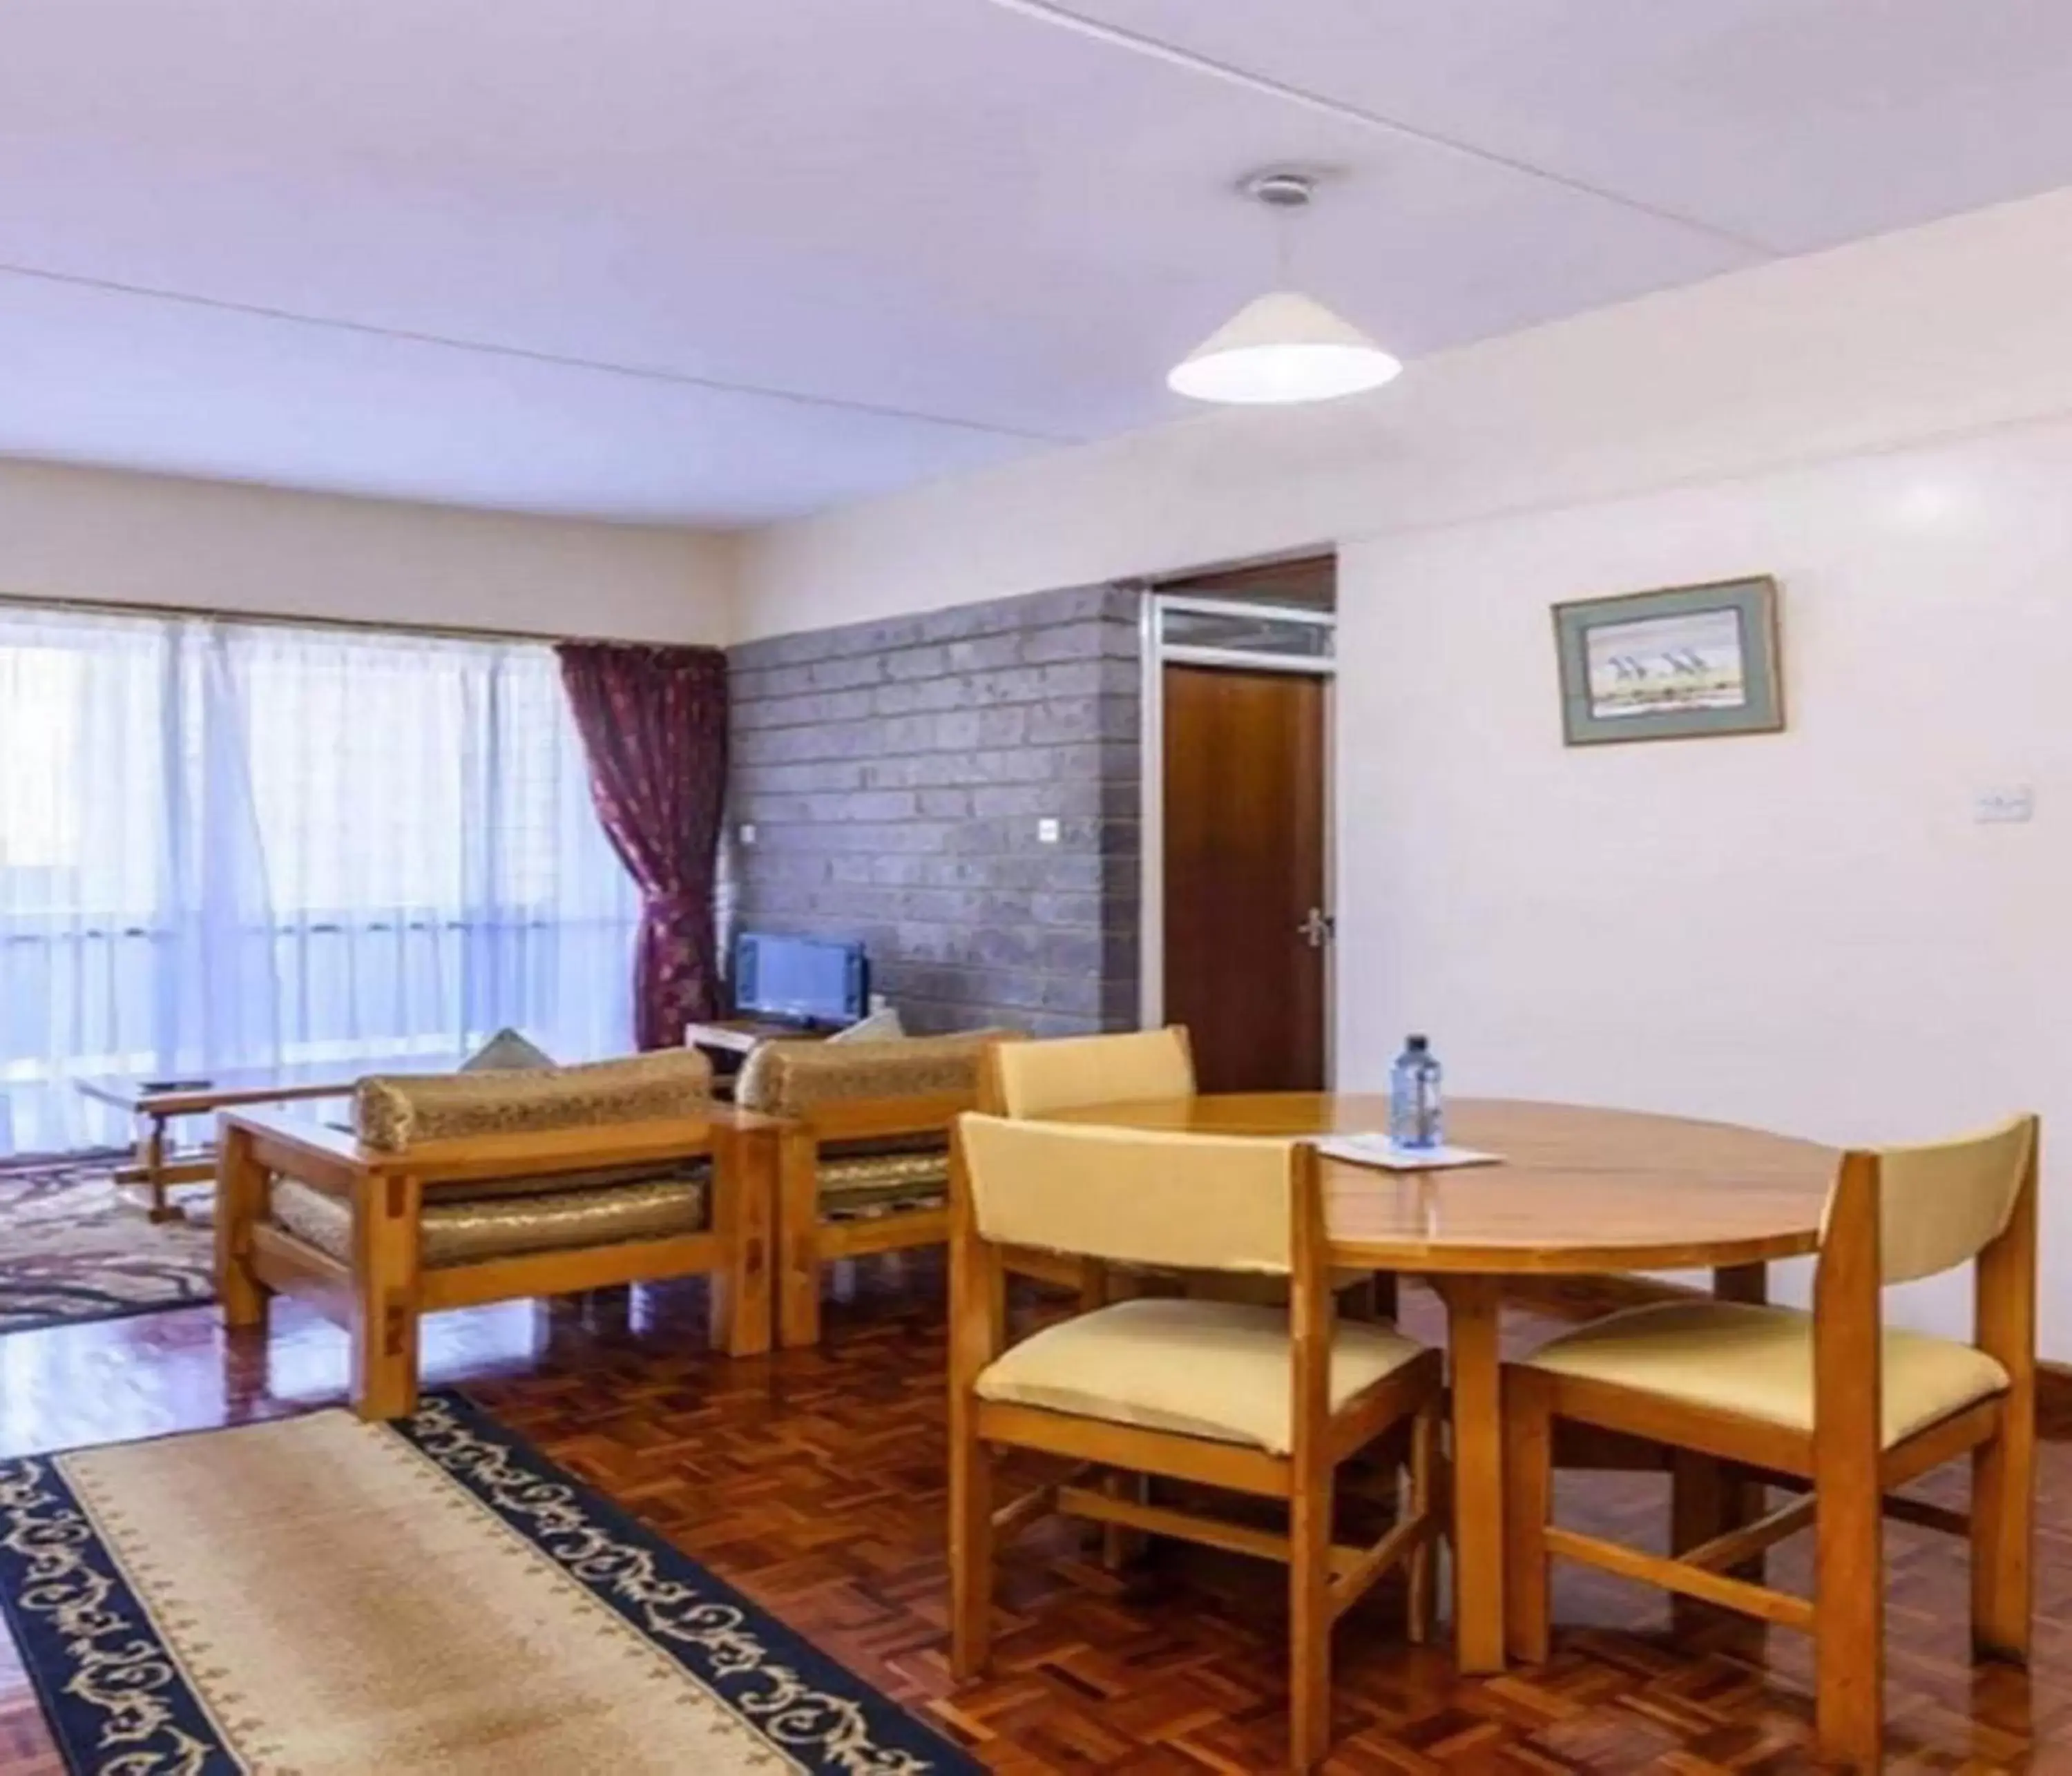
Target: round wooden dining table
x=1574 y=1191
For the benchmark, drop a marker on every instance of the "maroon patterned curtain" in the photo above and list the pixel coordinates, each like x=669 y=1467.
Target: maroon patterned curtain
x=653 y=721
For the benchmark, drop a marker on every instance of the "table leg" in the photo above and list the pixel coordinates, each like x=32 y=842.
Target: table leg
x=1742 y=1283
x=1745 y=1500
x=1476 y=1378
x=1709 y=1498
x=151 y=1148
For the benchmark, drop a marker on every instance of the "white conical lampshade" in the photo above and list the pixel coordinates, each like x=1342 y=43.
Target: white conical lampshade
x=1281 y=349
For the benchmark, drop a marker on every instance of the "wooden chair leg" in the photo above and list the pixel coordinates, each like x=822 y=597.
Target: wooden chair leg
x=1360 y=1302
x=1388 y=1295
x=1097 y=1287
x=1421 y=1609
x=1708 y=1499
x=2003 y=1518
x=799 y=1240
x=1309 y=1621
x=1529 y=1463
x=1848 y=1628
x=971 y=1553
x=384 y=1301
x=1122 y=1547
x=744 y=1186
x=241 y=1204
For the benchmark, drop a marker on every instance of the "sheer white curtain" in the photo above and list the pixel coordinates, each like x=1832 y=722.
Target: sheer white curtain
x=226 y=844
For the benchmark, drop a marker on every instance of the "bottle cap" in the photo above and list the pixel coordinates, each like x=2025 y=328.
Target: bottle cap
x=1418 y=1041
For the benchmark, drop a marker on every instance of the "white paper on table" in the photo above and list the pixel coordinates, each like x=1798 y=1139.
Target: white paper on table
x=1380 y=1150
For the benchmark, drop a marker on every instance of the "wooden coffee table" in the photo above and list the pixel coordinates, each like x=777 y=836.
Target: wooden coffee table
x=153 y=1105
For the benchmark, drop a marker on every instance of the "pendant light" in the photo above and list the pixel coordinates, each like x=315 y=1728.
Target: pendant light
x=1283 y=347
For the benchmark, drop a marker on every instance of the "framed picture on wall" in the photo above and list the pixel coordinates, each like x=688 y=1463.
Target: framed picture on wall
x=1676 y=664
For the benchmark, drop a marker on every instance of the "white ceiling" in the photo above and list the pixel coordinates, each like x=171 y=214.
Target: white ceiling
x=725 y=261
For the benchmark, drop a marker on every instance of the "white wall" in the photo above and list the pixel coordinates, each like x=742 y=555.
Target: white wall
x=101 y=534
x=1804 y=931
x=1960 y=325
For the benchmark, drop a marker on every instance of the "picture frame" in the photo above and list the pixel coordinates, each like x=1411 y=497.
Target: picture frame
x=1681 y=663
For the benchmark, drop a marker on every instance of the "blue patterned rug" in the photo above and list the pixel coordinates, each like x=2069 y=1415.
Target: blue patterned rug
x=74 y=1246
x=325 y=1596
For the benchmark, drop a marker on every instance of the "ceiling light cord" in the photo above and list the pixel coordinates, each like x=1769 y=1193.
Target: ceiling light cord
x=1283 y=348
x=1286 y=196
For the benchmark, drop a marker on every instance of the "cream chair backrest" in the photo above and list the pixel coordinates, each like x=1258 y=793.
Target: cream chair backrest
x=1080 y=1072
x=1127 y=1196
x=1940 y=1205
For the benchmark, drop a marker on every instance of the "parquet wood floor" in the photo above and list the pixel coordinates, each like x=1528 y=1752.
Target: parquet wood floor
x=814 y=1479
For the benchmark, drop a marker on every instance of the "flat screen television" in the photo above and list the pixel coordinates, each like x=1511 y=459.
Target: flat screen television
x=800 y=980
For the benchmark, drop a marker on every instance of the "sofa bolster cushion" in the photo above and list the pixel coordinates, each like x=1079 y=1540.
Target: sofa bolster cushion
x=501 y=1226
x=788 y=1077
x=395 y=1111
x=862 y=1186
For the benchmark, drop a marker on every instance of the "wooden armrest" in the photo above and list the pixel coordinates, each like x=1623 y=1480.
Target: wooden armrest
x=725 y=1116
x=868 y=1119
x=282 y=1142
x=283 y=1129
x=534 y=1152
x=285 y=1143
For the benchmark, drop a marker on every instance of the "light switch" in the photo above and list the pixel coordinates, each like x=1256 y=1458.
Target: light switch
x=2005 y=805
x=1047 y=830
x=747 y=832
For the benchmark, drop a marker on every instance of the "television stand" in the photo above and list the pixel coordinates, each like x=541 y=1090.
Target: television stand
x=726 y=1042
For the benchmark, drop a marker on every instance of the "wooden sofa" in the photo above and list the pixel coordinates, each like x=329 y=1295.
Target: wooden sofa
x=450 y=1190
x=864 y=1163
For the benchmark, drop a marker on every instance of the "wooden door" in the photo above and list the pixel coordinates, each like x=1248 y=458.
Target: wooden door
x=1246 y=951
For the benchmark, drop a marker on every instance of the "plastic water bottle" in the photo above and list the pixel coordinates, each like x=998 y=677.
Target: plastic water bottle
x=1414 y=1116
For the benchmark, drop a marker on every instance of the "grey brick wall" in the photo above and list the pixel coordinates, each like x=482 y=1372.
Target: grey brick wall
x=895 y=774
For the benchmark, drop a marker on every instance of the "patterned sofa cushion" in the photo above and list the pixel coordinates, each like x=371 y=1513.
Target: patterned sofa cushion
x=786 y=1077
x=392 y=1111
x=862 y=1187
x=602 y=1177
x=529 y=1220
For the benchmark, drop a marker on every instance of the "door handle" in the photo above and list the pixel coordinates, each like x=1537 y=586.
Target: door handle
x=1318 y=928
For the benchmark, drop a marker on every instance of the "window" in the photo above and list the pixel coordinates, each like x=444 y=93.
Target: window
x=39 y=699
x=229 y=844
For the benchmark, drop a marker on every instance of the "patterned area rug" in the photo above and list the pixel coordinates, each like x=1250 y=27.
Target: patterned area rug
x=74 y=1247
x=330 y=1597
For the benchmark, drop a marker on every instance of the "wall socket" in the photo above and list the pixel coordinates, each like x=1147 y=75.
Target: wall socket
x=1047 y=830
x=2005 y=805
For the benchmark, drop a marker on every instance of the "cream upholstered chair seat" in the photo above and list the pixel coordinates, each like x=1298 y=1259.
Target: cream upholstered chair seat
x=1758 y=1362
x=1835 y=1400
x=1269 y=1401
x=1208 y=1369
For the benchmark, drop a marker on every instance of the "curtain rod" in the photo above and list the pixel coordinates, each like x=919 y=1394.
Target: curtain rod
x=118 y=607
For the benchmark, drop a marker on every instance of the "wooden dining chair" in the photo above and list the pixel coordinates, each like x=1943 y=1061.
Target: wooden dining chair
x=1262 y=1401
x=1079 y=1073
x=1041 y=1079
x=1083 y=1072
x=1833 y=1400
